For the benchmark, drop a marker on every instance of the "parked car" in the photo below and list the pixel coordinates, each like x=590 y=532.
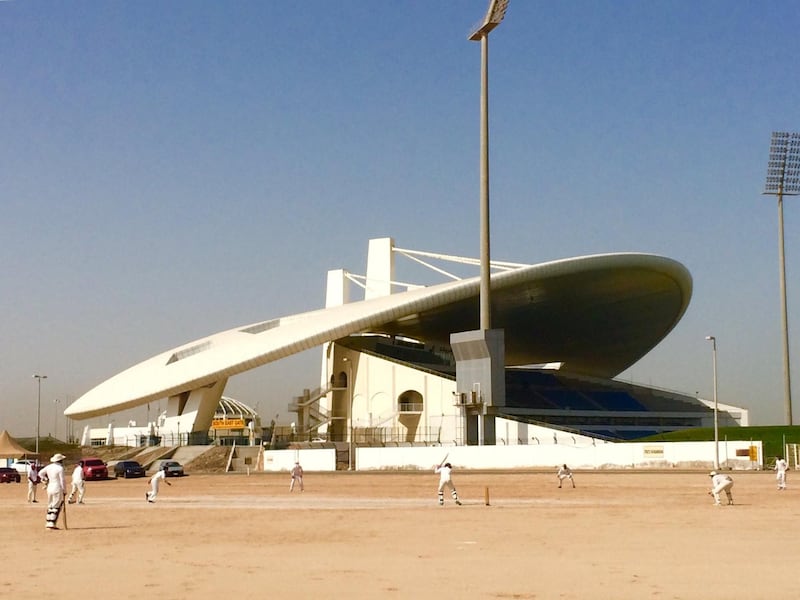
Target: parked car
x=94 y=468
x=128 y=468
x=9 y=474
x=21 y=465
x=173 y=468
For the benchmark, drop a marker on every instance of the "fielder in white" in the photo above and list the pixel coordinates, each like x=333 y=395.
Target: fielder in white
x=33 y=481
x=780 y=472
x=53 y=474
x=297 y=476
x=155 y=481
x=446 y=481
x=78 y=485
x=564 y=472
x=721 y=483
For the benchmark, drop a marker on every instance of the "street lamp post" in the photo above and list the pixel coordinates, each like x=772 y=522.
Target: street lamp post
x=56 y=402
x=783 y=179
x=713 y=341
x=494 y=15
x=38 y=379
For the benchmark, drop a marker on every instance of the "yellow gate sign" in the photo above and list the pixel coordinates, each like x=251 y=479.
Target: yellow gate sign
x=228 y=424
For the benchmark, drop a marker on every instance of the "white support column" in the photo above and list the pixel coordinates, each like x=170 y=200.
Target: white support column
x=380 y=268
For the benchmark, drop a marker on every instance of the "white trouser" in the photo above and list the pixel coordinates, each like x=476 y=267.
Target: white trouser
x=79 y=488
x=32 y=491
x=725 y=486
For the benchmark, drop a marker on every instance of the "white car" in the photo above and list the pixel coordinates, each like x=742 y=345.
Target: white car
x=22 y=465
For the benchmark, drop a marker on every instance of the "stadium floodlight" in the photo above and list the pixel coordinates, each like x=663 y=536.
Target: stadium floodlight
x=713 y=341
x=494 y=15
x=783 y=179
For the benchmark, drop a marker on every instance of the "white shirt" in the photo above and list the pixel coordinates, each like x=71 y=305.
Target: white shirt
x=297 y=471
x=77 y=474
x=160 y=475
x=54 y=472
x=720 y=479
x=444 y=473
x=781 y=466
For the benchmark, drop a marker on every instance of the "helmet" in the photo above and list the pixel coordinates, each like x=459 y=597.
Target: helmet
x=712 y=473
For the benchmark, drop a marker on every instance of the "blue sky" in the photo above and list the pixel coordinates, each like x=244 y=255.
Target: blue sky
x=171 y=170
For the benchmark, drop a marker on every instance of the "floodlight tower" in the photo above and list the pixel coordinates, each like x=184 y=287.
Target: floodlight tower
x=494 y=15
x=783 y=178
x=713 y=341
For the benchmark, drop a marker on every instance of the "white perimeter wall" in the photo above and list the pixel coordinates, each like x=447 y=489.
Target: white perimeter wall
x=602 y=456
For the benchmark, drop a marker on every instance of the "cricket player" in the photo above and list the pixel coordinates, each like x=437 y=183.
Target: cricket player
x=33 y=481
x=53 y=475
x=446 y=481
x=297 y=475
x=721 y=483
x=78 y=486
x=155 y=481
x=780 y=472
x=564 y=472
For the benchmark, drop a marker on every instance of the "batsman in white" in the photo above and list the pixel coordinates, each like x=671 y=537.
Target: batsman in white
x=721 y=483
x=446 y=481
x=53 y=475
x=155 y=481
x=780 y=472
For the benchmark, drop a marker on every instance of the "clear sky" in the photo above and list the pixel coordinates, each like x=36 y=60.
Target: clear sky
x=169 y=170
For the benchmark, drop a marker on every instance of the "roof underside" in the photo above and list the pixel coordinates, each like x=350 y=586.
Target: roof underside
x=597 y=323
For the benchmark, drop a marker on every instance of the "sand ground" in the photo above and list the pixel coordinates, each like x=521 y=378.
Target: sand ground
x=382 y=535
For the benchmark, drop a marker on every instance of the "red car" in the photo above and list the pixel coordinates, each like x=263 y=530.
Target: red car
x=94 y=468
x=7 y=475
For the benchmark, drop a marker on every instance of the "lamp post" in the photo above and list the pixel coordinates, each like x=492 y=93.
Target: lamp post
x=349 y=413
x=494 y=15
x=713 y=341
x=56 y=402
x=783 y=179
x=38 y=379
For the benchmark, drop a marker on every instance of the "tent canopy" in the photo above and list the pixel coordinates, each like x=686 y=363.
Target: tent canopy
x=10 y=448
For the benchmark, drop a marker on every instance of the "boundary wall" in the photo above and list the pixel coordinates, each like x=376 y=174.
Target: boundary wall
x=737 y=455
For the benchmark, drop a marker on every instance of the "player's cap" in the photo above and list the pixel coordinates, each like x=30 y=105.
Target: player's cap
x=712 y=473
x=57 y=458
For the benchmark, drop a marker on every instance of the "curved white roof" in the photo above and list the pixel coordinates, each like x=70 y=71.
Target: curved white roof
x=597 y=313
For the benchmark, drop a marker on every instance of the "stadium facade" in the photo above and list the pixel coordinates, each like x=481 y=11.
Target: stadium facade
x=388 y=372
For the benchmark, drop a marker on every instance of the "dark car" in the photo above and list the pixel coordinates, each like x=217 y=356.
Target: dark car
x=173 y=468
x=94 y=468
x=7 y=475
x=128 y=468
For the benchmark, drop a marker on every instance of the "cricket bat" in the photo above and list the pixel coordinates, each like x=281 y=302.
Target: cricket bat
x=443 y=460
x=64 y=512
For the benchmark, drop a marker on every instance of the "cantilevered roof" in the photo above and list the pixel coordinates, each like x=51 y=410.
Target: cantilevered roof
x=596 y=314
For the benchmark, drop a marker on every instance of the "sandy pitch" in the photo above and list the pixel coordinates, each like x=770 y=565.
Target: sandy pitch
x=369 y=535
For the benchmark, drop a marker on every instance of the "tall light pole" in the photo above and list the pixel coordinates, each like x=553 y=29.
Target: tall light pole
x=56 y=402
x=713 y=341
x=783 y=179
x=494 y=15
x=349 y=413
x=38 y=379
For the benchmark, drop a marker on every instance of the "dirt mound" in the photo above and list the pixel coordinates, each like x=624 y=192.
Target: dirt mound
x=214 y=460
